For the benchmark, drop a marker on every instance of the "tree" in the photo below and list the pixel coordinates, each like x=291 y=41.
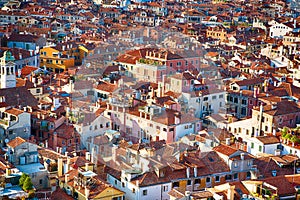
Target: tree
x=294 y=139
x=27 y=184
x=284 y=131
x=22 y=179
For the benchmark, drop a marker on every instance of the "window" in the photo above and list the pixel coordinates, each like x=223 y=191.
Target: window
x=236 y=164
x=205 y=99
x=189 y=182
x=217 y=178
x=176 y=184
x=243 y=111
x=214 y=97
x=165 y=188
x=186 y=127
x=144 y=192
x=207 y=179
x=244 y=102
x=260 y=148
x=249 y=163
x=228 y=177
x=252 y=145
x=248 y=175
x=116 y=182
x=133 y=190
x=41 y=181
x=235 y=176
x=123 y=184
x=197 y=181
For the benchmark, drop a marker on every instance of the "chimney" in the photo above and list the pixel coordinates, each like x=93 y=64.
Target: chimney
x=46 y=143
x=266 y=87
x=60 y=167
x=86 y=166
x=187 y=194
x=66 y=153
x=20 y=56
x=86 y=192
x=242 y=156
x=230 y=192
x=195 y=172
x=255 y=92
x=274 y=105
x=68 y=164
x=177 y=118
x=228 y=141
x=88 y=156
x=7 y=171
x=188 y=170
x=67 y=178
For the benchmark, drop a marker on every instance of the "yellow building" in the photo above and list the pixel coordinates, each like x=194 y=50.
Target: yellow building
x=85 y=184
x=54 y=60
x=218 y=1
x=217 y=32
x=78 y=51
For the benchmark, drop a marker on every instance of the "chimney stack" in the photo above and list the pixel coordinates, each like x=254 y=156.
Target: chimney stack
x=88 y=156
x=242 y=156
x=86 y=166
x=195 y=172
x=66 y=178
x=188 y=170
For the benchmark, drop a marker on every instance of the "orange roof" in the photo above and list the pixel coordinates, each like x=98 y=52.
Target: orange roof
x=14 y=111
x=25 y=71
x=16 y=142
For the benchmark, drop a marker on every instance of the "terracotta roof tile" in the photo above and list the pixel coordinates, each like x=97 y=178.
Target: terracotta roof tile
x=16 y=142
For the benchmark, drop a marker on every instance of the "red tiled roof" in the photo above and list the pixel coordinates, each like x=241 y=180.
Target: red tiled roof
x=16 y=142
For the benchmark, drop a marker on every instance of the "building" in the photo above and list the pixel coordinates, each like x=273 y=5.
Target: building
x=8 y=70
x=24 y=155
x=14 y=123
x=54 y=60
x=26 y=41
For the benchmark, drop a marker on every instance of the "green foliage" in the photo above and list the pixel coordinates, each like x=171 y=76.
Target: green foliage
x=287 y=136
x=294 y=138
x=27 y=185
x=22 y=179
x=284 y=130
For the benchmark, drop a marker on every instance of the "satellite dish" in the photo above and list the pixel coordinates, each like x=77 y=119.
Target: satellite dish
x=6 y=140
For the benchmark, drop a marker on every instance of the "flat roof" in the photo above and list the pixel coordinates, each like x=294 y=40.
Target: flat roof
x=31 y=168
